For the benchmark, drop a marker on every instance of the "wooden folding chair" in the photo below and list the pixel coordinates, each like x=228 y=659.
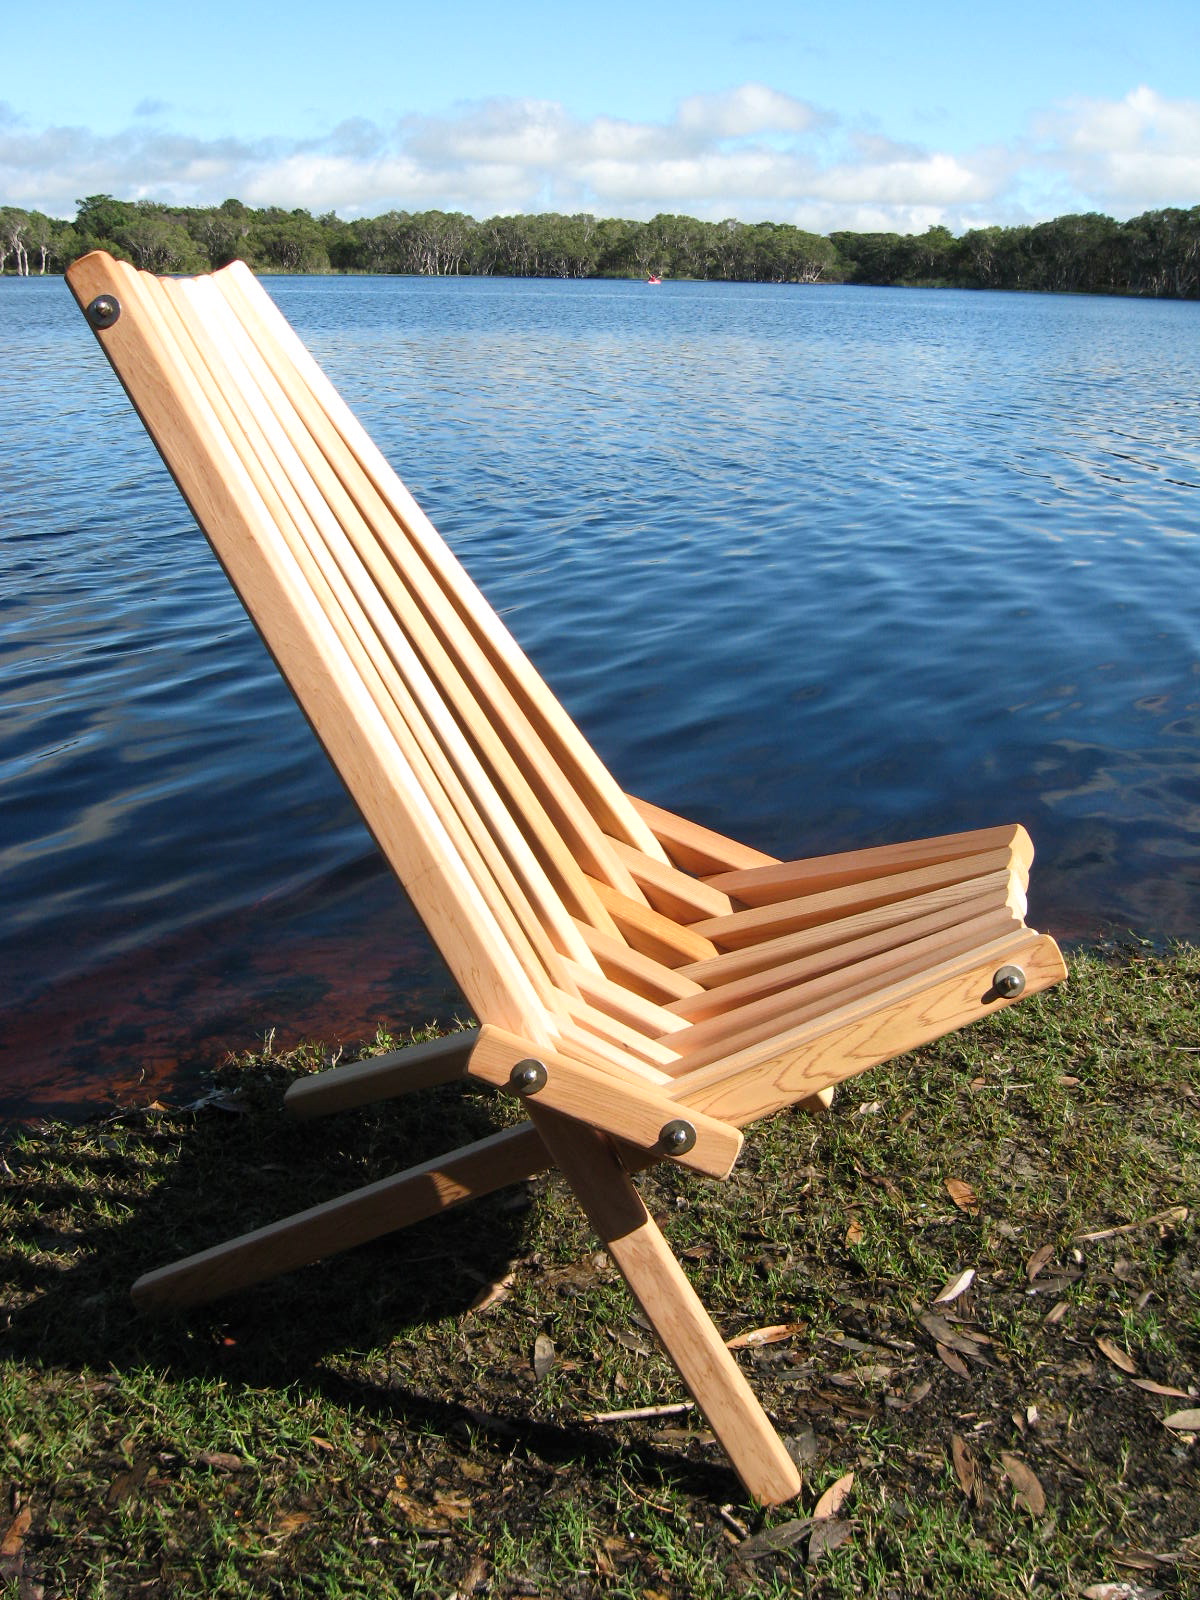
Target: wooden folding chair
x=645 y=986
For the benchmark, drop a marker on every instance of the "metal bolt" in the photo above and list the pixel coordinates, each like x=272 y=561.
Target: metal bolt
x=1008 y=983
x=527 y=1077
x=103 y=311
x=677 y=1137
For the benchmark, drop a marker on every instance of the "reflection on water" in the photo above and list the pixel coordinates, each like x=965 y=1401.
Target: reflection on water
x=818 y=566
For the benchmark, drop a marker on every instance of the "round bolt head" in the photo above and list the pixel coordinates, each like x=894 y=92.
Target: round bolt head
x=527 y=1077
x=677 y=1137
x=1009 y=982
x=103 y=311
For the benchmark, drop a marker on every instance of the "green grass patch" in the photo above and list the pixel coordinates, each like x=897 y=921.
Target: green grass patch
x=358 y=1429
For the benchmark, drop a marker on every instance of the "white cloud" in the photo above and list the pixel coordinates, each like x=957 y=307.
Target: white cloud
x=751 y=109
x=1124 y=156
x=753 y=152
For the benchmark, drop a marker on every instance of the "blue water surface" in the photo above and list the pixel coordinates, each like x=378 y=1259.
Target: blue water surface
x=820 y=566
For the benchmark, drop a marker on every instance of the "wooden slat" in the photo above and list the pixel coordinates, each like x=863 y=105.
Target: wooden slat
x=766 y=1077
x=766 y=1018
x=421 y=616
x=649 y=1018
x=786 y=879
x=661 y=1288
x=829 y=955
x=378 y=649
x=957 y=899
x=640 y=974
x=625 y=1042
x=601 y=801
x=661 y=938
x=696 y=849
x=676 y=894
x=228 y=507
x=632 y=1108
x=786 y=916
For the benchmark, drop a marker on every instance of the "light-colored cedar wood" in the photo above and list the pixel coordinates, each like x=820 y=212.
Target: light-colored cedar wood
x=997 y=890
x=676 y=894
x=803 y=911
x=671 y=1305
x=265 y=454
x=696 y=849
x=655 y=935
x=503 y=1158
x=410 y=615
x=784 y=879
x=787 y=1006
x=640 y=974
x=628 y=1107
x=619 y=1043
x=382 y=1077
x=864 y=982
x=229 y=508
x=647 y=1018
x=766 y=1077
x=592 y=783
x=963 y=920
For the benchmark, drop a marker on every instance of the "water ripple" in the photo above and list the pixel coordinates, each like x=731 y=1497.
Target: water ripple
x=821 y=566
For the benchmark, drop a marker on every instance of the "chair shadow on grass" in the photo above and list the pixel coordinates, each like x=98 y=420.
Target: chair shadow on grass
x=100 y=1206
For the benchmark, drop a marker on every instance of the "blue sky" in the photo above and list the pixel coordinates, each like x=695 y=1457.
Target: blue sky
x=864 y=114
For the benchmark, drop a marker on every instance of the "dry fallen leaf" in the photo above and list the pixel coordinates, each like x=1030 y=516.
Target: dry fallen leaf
x=543 y=1355
x=955 y=1363
x=1038 y=1260
x=774 y=1539
x=963 y=1458
x=1115 y=1354
x=17 y=1529
x=775 y=1334
x=827 y=1535
x=854 y=1232
x=943 y=1334
x=831 y=1501
x=292 y=1521
x=955 y=1287
x=453 y=1506
x=1161 y=1388
x=1183 y=1421
x=1028 y=1491
x=491 y=1294
x=912 y=1397
x=963 y=1195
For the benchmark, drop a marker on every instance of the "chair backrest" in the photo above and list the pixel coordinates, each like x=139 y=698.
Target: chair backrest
x=521 y=854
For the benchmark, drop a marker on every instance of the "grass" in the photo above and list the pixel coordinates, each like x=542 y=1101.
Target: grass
x=358 y=1429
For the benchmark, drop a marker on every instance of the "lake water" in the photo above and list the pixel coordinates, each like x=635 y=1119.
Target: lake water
x=818 y=566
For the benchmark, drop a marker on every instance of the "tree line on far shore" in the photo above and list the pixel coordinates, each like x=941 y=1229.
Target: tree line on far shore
x=1156 y=254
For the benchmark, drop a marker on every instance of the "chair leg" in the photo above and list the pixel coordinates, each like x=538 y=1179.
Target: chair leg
x=367 y=1213
x=590 y=1164
x=363 y=1083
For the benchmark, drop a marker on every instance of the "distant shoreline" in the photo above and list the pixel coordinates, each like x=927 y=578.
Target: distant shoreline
x=1155 y=255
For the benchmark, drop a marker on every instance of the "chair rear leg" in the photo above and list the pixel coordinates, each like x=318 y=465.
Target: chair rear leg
x=367 y=1213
